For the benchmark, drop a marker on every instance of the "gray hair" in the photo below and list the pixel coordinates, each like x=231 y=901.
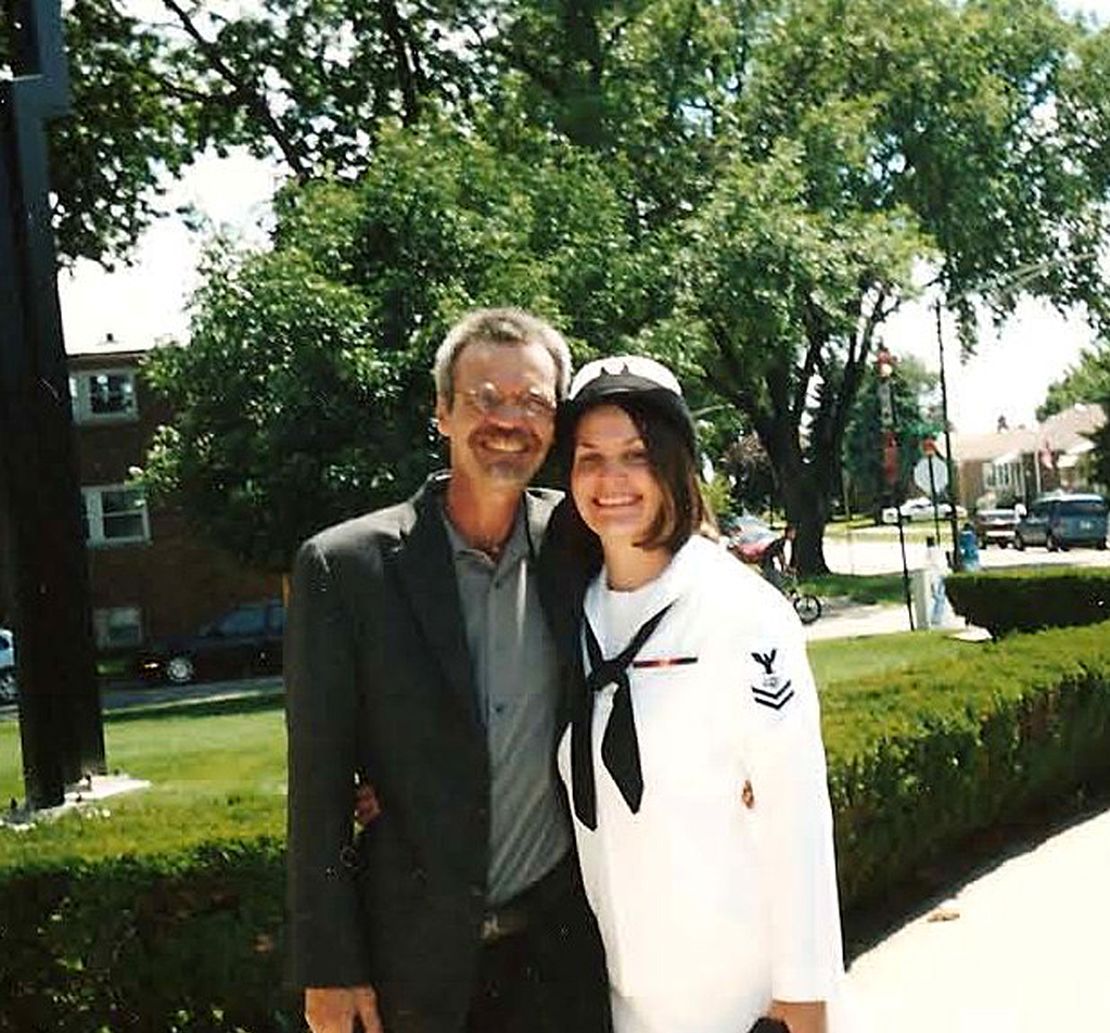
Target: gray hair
x=510 y=326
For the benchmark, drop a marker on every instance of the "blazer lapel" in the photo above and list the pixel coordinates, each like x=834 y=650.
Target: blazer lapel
x=427 y=571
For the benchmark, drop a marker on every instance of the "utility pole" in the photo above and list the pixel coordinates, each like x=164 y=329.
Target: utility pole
x=59 y=707
x=953 y=490
x=884 y=367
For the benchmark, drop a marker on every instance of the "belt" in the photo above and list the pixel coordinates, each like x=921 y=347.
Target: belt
x=515 y=915
x=501 y=922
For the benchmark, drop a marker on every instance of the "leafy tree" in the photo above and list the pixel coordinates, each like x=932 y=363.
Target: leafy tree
x=753 y=478
x=1100 y=456
x=305 y=394
x=767 y=177
x=911 y=385
x=124 y=133
x=308 y=83
x=869 y=137
x=778 y=296
x=1087 y=381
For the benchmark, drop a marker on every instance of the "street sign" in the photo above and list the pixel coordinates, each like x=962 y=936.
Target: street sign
x=939 y=474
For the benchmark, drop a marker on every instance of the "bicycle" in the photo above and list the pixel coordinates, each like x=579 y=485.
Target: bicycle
x=806 y=606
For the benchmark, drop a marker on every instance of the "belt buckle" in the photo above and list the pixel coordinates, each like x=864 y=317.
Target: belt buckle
x=491 y=928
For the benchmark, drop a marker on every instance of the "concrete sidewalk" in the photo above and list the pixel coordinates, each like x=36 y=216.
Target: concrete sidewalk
x=1024 y=948
x=843 y=619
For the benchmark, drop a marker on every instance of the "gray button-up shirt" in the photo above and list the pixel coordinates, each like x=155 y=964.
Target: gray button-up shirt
x=516 y=680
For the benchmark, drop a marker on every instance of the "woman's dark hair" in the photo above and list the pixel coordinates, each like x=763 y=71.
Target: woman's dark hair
x=684 y=510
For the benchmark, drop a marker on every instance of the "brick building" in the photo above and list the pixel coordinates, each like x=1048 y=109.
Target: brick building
x=149 y=576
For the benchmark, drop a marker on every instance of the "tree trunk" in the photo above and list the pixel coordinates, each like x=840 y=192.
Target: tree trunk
x=807 y=511
x=804 y=487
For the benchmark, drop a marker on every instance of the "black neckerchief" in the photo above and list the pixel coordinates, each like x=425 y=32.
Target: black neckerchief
x=620 y=750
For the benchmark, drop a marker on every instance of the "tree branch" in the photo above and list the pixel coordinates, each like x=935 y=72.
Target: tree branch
x=230 y=99
x=737 y=386
x=525 y=64
x=683 y=43
x=406 y=77
x=612 y=37
x=252 y=99
x=817 y=338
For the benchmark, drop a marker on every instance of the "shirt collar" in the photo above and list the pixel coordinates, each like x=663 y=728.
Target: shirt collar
x=674 y=581
x=518 y=546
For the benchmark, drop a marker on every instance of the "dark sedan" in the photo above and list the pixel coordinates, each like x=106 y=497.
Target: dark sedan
x=244 y=641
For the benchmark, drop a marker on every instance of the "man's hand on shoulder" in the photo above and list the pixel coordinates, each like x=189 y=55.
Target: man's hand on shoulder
x=332 y=1009
x=367 y=805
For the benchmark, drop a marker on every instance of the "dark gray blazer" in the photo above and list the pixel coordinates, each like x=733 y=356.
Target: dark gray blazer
x=378 y=682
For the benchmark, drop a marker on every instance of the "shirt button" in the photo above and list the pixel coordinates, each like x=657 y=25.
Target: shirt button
x=499 y=708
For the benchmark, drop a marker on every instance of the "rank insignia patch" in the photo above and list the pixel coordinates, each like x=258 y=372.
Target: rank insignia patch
x=772 y=691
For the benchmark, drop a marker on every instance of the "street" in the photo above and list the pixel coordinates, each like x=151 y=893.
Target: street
x=874 y=550
x=113 y=698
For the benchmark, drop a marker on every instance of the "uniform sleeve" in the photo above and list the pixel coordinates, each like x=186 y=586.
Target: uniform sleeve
x=792 y=816
x=326 y=938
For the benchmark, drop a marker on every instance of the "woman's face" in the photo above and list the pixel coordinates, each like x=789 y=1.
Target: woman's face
x=613 y=484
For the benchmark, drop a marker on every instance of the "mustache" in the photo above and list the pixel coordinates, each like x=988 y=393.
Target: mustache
x=508 y=436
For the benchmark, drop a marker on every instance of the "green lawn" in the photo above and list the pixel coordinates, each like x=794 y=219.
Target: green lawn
x=865 y=529
x=218 y=770
x=841 y=661
x=860 y=588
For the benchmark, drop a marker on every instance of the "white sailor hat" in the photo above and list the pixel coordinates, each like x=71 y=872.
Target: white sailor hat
x=636 y=379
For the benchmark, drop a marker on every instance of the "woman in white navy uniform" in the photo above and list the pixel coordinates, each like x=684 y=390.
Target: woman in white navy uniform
x=693 y=759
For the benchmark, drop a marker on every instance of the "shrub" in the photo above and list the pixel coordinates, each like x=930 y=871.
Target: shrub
x=921 y=760
x=1026 y=600
x=183 y=944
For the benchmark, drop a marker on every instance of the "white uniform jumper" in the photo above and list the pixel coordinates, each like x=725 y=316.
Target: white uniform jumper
x=712 y=899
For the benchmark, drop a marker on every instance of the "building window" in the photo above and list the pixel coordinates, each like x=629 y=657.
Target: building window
x=988 y=475
x=118 y=626
x=115 y=515
x=103 y=395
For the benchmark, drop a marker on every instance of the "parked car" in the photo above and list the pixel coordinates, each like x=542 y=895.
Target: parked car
x=7 y=666
x=1061 y=520
x=244 y=641
x=920 y=508
x=995 y=526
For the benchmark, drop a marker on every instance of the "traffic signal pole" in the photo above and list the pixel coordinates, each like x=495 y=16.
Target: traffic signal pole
x=59 y=708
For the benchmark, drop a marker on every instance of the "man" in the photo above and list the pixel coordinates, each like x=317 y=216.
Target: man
x=418 y=660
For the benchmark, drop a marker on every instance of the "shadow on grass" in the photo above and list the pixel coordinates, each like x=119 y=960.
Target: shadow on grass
x=244 y=704
x=869 y=923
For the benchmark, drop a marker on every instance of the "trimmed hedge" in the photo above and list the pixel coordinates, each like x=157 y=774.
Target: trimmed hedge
x=1005 y=601
x=184 y=944
x=919 y=761
x=922 y=760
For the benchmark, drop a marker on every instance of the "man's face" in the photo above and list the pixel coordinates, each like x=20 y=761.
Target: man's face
x=502 y=418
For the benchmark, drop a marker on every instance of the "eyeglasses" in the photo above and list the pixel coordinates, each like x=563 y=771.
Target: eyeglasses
x=488 y=399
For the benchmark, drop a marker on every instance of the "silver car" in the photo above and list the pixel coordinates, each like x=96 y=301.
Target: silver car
x=7 y=666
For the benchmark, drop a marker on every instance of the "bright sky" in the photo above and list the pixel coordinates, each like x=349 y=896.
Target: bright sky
x=139 y=305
